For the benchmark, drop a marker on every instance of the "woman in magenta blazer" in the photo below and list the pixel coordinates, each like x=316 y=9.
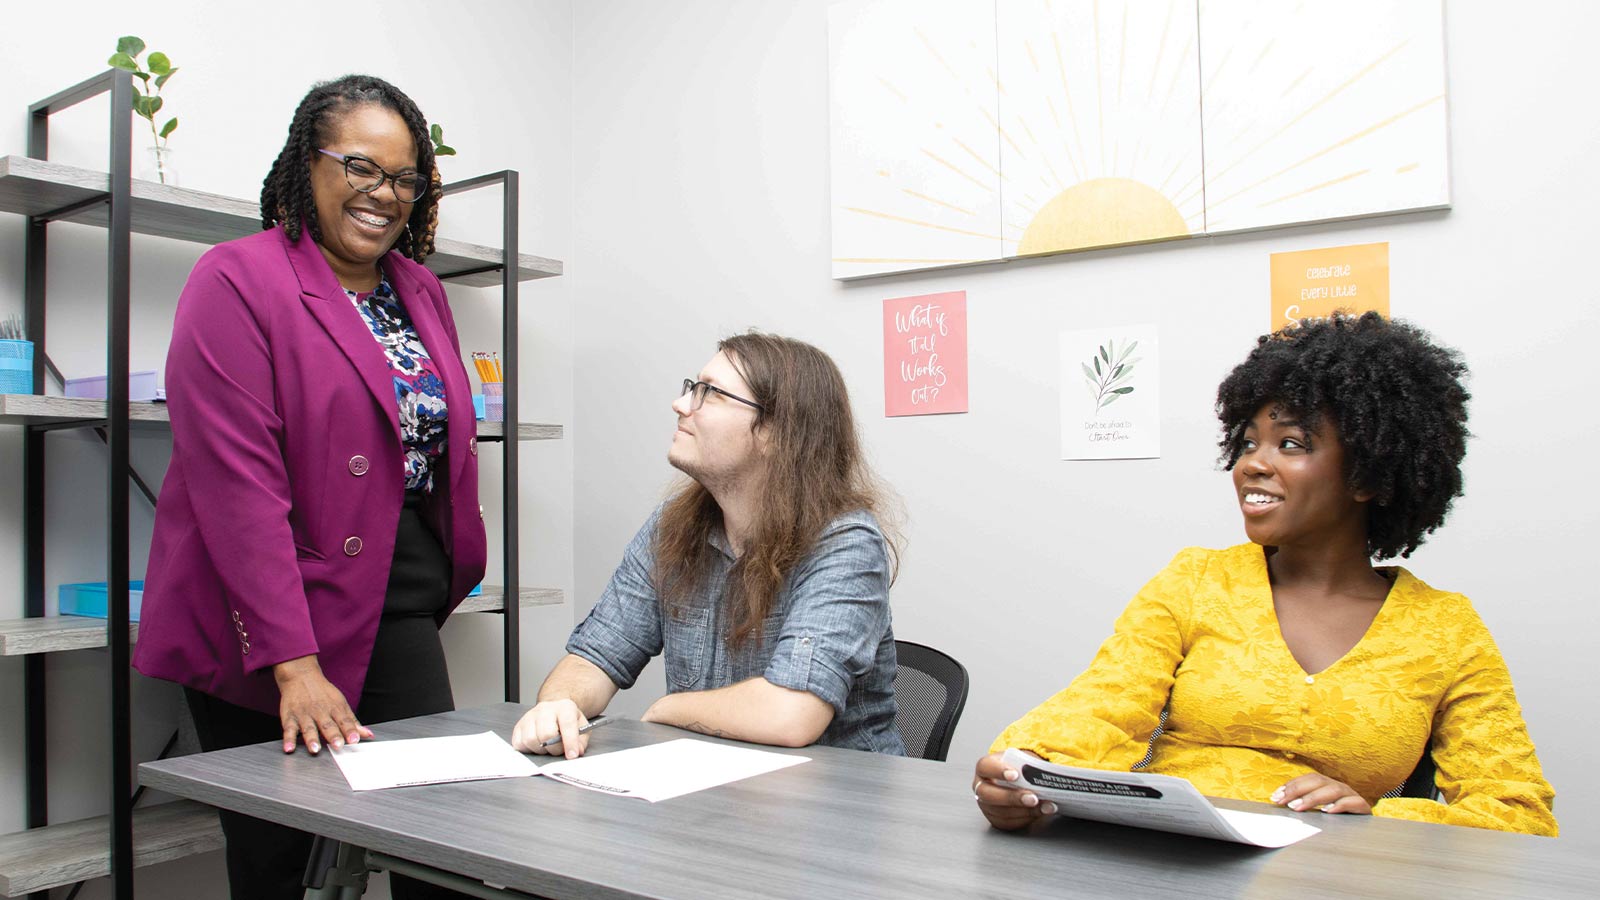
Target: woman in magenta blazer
x=320 y=517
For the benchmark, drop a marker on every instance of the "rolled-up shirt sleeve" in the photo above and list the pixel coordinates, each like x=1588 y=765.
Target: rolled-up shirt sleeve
x=838 y=613
x=623 y=631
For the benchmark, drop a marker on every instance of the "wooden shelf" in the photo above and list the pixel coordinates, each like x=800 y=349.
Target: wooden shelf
x=33 y=187
x=32 y=409
x=56 y=855
x=53 y=634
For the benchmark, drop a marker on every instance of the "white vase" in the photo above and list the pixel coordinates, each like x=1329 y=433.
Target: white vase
x=157 y=165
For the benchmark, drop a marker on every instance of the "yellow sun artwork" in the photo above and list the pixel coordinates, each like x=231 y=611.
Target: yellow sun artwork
x=971 y=131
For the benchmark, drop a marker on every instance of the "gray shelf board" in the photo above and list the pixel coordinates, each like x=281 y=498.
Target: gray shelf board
x=33 y=187
x=43 y=858
x=54 y=634
x=493 y=599
x=32 y=409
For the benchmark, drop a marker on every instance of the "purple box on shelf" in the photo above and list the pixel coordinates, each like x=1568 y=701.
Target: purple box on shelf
x=141 y=386
x=89 y=599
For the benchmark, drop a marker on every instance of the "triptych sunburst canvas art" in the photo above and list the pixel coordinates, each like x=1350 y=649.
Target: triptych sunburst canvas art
x=967 y=131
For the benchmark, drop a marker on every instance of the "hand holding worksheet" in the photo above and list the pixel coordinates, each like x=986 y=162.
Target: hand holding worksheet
x=1157 y=802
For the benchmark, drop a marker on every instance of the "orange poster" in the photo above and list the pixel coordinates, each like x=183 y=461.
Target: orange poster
x=1318 y=283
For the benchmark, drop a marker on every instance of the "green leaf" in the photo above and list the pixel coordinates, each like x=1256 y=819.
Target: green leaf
x=1087 y=372
x=170 y=127
x=1120 y=391
x=161 y=80
x=1110 y=398
x=130 y=45
x=436 y=132
x=1097 y=365
x=1126 y=350
x=141 y=105
x=443 y=150
x=123 y=61
x=155 y=107
x=158 y=63
x=1115 y=372
x=1103 y=354
x=143 y=76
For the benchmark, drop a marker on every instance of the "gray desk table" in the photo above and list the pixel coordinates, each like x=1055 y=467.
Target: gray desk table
x=846 y=824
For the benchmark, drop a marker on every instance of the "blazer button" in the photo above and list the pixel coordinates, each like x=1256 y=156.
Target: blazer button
x=352 y=546
x=359 y=465
x=472 y=446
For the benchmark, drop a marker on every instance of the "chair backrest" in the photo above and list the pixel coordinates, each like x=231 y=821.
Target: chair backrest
x=930 y=690
x=1420 y=784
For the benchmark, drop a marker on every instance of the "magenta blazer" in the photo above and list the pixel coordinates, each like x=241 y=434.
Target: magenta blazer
x=276 y=526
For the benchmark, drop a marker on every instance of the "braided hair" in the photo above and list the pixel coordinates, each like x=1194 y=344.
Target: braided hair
x=286 y=193
x=1394 y=396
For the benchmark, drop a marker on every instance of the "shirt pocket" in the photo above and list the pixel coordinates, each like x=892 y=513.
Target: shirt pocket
x=685 y=650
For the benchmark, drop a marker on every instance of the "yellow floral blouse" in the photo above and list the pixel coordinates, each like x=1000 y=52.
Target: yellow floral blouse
x=1245 y=717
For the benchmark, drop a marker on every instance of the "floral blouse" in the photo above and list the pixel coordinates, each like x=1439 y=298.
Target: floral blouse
x=418 y=390
x=1244 y=718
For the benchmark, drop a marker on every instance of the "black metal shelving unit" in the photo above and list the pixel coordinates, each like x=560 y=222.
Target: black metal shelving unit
x=114 y=208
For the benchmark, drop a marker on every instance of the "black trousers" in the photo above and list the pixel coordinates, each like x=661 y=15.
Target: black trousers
x=407 y=677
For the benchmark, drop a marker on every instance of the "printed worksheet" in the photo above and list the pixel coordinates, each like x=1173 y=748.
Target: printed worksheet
x=1157 y=802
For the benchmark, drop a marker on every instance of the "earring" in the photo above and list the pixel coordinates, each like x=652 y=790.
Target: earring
x=411 y=242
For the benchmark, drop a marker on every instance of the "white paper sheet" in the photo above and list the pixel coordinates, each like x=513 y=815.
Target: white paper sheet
x=375 y=764
x=671 y=769
x=1157 y=802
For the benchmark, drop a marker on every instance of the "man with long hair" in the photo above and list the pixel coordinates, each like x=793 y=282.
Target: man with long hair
x=763 y=580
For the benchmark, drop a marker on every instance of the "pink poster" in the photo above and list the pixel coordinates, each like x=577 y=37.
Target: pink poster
x=925 y=354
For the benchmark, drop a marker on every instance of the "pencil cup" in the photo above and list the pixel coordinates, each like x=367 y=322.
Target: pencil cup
x=494 y=401
x=16 y=367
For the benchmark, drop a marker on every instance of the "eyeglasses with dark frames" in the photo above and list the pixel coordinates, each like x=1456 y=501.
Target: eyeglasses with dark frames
x=696 y=391
x=366 y=176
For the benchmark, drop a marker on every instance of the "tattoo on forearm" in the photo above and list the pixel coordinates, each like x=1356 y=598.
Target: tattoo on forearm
x=704 y=729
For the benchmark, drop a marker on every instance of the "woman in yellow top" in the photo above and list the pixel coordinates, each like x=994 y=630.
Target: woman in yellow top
x=1293 y=670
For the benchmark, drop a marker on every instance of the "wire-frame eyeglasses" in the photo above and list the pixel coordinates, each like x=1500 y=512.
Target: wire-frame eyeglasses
x=696 y=391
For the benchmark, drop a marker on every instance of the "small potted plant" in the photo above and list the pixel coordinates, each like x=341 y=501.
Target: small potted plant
x=152 y=77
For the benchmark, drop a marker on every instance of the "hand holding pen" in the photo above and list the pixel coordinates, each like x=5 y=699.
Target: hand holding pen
x=555 y=727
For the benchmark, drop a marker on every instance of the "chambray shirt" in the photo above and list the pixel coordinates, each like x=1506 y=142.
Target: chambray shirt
x=828 y=633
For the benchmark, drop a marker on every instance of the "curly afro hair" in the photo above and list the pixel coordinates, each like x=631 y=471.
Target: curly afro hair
x=286 y=193
x=1393 y=395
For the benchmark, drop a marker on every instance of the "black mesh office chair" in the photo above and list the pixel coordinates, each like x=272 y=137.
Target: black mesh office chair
x=930 y=689
x=1420 y=784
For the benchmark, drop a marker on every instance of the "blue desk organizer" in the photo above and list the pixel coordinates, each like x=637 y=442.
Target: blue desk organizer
x=89 y=599
x=16 y=367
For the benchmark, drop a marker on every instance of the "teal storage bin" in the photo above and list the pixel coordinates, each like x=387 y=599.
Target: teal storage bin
x=89 y=599
x=16 y=367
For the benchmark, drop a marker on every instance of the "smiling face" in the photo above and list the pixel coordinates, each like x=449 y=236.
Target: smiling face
x=357 y=229
x=716 y=444
x=1290 y=483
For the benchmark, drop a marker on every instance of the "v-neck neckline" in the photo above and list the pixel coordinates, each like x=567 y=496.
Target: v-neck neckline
x=1391 y=600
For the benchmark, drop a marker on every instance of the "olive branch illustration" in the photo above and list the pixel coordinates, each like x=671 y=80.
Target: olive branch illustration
x=1109 y=380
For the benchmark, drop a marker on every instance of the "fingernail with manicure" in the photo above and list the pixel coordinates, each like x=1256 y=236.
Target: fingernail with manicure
x=1296 y=803
x=1048 y=808
x=1030 y=800
x=1277 y=795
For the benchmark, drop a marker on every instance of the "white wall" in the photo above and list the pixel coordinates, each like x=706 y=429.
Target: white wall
x=497 y=75
x=701 y=183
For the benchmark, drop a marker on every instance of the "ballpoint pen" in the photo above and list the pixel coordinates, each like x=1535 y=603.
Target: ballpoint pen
x=594 y=723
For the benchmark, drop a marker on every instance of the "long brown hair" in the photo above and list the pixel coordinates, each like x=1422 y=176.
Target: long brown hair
x=814 y=473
